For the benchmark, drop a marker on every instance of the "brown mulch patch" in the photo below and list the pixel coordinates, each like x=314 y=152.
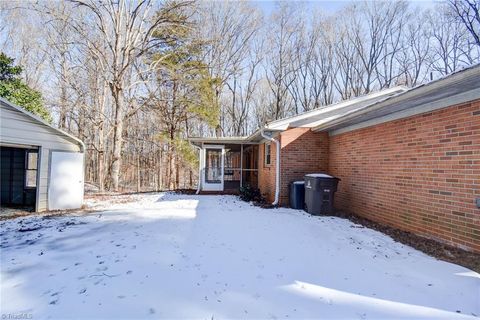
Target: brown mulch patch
x=264 y=204
x=185 y=191
x=431 y=247
x=112 y=198
x=48 y=214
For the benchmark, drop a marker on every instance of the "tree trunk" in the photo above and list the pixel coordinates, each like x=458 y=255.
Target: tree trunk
x=117 y=138
x=177 y=173
x=101 y=159
x=190 y=178
x=138 y=174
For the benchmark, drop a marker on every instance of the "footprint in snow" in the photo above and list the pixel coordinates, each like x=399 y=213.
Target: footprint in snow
x=53 y=302
x=129 y=272
x=82 y=291
x=151 y=311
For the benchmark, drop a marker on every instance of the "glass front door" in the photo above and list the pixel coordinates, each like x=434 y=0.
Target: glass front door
x=213 y=168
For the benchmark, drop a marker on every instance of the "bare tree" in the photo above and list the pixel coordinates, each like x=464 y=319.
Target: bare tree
x=89 y=59
x=468 y=12
x=127 y=30
x=230 y=28
x=414 y=57
x=279 y=70
x=447 y=40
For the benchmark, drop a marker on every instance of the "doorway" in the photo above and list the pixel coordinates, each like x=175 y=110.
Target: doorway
x=212 y=176
x=19 y=172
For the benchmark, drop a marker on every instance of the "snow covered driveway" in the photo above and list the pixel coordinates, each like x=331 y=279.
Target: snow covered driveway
x=179 y=256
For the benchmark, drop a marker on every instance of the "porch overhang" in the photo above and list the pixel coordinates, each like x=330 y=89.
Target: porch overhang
x=199 y=141
x=254 y=138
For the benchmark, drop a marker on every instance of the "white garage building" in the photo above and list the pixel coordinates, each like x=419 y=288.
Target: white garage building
x=42 y=167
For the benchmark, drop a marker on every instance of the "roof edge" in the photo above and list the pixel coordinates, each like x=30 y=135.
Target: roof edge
x=38 y=119
x=412 y=92
x=282 y=124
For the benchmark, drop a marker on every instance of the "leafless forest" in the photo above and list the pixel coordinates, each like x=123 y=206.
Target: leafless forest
x=133 y=79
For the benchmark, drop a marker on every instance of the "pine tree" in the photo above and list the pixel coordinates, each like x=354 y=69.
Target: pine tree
x=186 y=91
x=16 y=91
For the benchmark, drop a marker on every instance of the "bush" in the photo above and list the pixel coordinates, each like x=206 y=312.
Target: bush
x=248 y=193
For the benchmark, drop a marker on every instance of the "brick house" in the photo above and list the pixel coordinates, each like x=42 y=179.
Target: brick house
x=408 y=158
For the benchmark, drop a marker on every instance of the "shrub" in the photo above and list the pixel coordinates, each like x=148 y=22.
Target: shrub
x=248 y=193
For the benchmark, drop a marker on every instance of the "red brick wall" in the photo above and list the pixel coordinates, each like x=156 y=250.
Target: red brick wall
x=420 y=174
x=302 y=152
x=266 y=173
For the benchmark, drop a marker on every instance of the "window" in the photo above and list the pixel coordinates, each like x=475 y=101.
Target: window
x=267 y=153
x=31 y=168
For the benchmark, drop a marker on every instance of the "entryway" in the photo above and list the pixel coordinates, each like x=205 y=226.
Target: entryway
x=213 y=178
x=18 y=177
x=227 y=167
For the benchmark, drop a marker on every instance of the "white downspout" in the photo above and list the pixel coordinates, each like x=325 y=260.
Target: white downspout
x=277 y=166
x=199 y=184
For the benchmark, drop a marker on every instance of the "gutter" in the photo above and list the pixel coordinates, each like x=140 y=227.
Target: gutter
x=277 y=166
x=199 y=184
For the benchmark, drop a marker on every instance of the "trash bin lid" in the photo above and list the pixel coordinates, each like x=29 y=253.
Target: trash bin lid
x=318 y=175
x=299 y=182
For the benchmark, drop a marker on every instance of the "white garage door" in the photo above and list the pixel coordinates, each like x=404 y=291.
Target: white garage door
x=65 y=189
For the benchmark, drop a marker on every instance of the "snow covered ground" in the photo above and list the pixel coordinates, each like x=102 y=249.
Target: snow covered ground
x=211 y=257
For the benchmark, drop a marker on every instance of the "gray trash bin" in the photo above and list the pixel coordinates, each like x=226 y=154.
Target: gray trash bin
x=297 y=194
x=319 y=191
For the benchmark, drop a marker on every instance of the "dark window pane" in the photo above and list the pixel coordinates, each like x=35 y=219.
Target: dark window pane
x=267 y=153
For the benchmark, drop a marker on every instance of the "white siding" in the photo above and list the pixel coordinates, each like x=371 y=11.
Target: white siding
x=17 y=128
